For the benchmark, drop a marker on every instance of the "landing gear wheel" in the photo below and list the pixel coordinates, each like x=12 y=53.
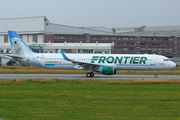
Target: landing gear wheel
x=90 y=74
x=156 y=75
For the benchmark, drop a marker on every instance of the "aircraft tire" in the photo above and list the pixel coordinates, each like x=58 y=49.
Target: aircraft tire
x=156 y=75
x=88 y=74
x=92 y=74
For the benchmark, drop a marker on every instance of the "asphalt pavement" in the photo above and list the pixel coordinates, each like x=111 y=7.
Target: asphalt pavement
x=83 y=76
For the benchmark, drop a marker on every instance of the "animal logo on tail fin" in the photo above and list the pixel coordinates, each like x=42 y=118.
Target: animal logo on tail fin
x=21 y=52
x=18 y=47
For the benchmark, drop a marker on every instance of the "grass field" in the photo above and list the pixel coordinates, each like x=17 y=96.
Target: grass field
x=31 y=70
x=54 y=99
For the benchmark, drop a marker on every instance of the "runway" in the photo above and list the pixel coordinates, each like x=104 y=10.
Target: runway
x=82 y=76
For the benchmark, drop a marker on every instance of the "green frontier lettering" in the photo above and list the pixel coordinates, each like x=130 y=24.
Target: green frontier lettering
x=131 y=60
x=143 y=60
x=135 y=61
x=126 y=58
x=102 y=59
x=110 y=59
x=94 y=58
x=119 y=60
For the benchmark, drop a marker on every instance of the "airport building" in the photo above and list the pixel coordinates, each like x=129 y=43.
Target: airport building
x=43 y=36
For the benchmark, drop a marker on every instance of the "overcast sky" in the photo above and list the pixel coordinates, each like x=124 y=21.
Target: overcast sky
x=88 y=13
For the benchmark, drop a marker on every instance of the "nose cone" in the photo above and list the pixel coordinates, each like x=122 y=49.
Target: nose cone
x=173 y=65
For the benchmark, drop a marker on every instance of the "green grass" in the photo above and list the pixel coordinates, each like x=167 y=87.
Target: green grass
x=41 y=99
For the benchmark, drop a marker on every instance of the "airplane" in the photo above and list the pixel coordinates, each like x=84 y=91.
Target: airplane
x=106 y=64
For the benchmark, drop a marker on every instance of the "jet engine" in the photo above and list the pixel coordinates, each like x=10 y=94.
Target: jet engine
x=107 y=70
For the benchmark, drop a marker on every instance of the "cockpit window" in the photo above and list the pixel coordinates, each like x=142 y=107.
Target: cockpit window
x=166 y=59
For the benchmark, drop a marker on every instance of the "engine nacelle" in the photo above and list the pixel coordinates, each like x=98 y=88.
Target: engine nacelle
x=107 y=70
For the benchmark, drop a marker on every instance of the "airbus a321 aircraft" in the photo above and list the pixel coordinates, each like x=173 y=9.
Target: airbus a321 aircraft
x=106 y=64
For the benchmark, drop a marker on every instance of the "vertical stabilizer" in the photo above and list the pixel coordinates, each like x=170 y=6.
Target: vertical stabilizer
x=18 y=47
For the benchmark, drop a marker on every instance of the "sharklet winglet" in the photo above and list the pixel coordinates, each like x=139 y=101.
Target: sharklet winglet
x=64 y=56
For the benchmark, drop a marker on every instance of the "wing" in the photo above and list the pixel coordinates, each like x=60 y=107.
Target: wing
x=82 y=65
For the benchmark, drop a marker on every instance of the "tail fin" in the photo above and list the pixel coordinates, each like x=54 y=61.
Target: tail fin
x=18 y=47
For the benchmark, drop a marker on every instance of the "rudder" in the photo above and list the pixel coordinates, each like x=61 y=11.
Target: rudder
x=18 y=47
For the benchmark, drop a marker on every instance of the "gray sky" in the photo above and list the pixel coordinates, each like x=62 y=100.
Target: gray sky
x=88 y=13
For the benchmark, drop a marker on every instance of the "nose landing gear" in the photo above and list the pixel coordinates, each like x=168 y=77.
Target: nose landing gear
x=155 y=74
x=90 y=74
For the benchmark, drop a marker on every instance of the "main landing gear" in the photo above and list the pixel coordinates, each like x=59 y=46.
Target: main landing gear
x=90 y=74
x=155 y=74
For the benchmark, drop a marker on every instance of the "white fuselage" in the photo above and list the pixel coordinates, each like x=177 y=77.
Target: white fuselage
x=106 y=64
x=118 y=61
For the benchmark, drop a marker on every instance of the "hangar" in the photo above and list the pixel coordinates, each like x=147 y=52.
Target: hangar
x=38 y=31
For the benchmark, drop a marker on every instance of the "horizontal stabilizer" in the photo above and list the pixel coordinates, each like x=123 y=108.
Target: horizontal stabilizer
x=15 y=57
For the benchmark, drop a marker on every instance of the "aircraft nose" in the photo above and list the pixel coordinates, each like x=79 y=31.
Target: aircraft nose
x=173 y=64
